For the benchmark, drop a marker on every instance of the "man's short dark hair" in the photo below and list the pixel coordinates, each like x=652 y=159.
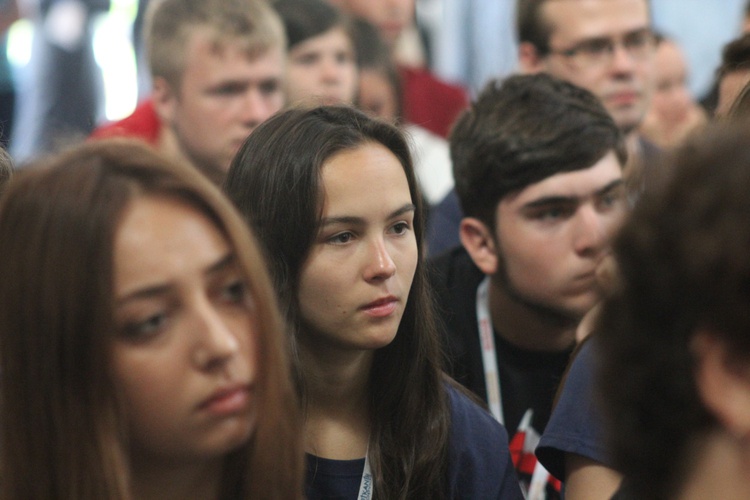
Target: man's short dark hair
x=522 y=130
x=530 y=27
x=684 y=265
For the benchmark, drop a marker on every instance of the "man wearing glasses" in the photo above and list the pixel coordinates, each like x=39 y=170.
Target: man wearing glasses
x=605 y=47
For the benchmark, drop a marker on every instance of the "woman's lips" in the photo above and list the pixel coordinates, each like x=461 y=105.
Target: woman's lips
x=227 y=401
x=381 y=308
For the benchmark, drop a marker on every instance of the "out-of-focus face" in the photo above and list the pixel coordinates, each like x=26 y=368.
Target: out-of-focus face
x=623 y=81
x=377 y=96
x=390 y=16
x=671 y=100
x=184 y=350
x=355 y=282
x=553 y=235
x=223 y=96
x=322 y=69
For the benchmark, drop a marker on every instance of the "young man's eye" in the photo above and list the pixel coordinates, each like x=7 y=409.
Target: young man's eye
x=270 y=87
x=306 y=59
x=550 y=213
x=228 y=90
x=611 y=198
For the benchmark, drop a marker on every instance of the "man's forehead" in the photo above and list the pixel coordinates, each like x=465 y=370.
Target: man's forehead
x=573 y=184
x=585 y=19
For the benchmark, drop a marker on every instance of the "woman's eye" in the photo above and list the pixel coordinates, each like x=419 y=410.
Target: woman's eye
x=341 y=238
x=235 y=291
x=400 y=228
x=146 y=327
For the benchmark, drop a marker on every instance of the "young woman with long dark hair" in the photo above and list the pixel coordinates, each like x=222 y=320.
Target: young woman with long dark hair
x=334 y=200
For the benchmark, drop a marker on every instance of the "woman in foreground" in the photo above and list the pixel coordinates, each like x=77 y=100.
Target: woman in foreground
x=334 y=200
x=142 y=354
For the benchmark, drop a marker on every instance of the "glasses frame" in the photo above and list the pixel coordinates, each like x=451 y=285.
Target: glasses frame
x=640 y=45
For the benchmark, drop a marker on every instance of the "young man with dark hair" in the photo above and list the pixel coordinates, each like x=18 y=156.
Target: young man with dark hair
x=538 y=169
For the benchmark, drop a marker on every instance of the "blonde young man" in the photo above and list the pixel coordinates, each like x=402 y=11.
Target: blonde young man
x=217 y=68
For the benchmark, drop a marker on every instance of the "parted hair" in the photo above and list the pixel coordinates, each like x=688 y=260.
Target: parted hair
x=275 y=180
x=169 y=24
x=684 y=264
x=521 y=130
x=62 y=425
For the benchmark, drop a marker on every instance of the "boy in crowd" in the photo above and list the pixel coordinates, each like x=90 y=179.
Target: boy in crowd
x=538 y=169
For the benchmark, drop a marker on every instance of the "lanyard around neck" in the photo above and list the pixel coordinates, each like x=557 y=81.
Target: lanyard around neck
x=489 y=353
x=365 y=485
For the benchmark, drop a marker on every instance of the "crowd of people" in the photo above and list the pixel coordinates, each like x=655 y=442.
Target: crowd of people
x=305 y=268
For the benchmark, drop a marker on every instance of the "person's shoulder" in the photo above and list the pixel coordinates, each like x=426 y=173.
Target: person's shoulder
x=142 y=123
x=575 y=423
x=480 y=462
x=467 y=412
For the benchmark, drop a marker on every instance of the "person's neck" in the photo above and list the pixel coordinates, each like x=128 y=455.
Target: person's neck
x=337 y=412
x=165 y=482
x=718 y=467
x=169 y=145
x=526 y=328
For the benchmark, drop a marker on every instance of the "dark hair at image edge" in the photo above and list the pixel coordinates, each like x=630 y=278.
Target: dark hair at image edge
x=58 y=222
x=684 y=266
x=275 y=180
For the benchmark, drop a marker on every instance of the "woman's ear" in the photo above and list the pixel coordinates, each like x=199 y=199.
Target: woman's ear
x=723 y=382
x=478 y=241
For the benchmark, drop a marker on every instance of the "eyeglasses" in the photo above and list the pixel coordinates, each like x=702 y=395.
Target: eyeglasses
x=599 y=52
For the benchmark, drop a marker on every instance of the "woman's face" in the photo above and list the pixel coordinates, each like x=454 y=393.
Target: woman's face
x=184 y=350
x=355 y=282
x=322 y=70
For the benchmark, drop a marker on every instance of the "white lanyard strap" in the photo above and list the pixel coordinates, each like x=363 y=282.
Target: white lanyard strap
x=365 y=486
x=489 y=354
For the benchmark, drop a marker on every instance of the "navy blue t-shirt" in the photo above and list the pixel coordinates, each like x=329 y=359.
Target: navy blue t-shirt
x=575 y=425
x=479 y=464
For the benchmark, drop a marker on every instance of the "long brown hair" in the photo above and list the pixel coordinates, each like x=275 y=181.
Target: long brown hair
x=275 y=180
x=61 y=427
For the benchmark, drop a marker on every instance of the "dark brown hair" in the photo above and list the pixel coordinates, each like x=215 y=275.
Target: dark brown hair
x=61 y=426
x=684 y=265
x=275 y=180
x=522 y=130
